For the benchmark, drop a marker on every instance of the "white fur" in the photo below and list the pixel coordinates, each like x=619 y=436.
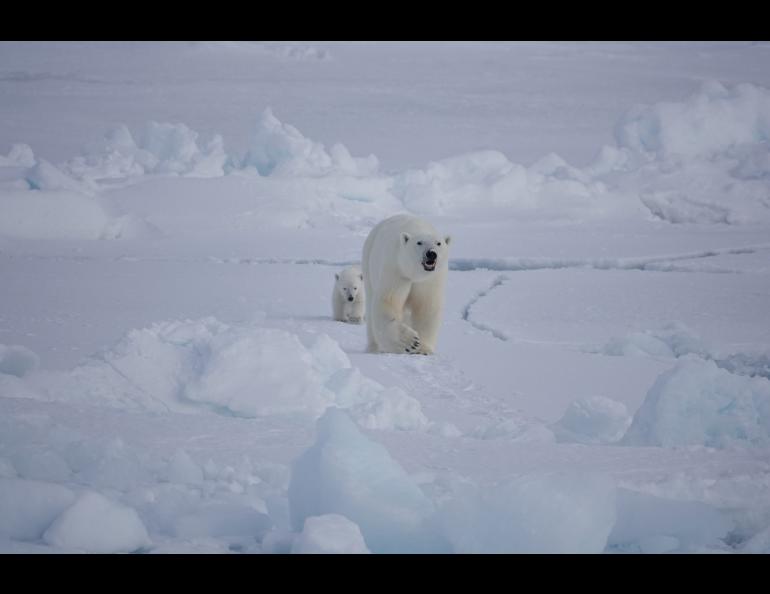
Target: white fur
x=404 y=302
x=349 y=283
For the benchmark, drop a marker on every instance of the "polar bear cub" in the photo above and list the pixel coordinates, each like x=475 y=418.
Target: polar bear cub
x=405 y=264
x=348 y=299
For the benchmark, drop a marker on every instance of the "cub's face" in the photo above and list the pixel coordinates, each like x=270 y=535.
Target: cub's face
x=350 y=284
x=421 y=255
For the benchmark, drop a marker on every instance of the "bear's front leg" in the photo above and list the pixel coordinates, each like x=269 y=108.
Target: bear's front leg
x=354 y=313
x=403 y=338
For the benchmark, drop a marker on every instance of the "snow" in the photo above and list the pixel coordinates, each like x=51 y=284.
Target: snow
x=56 y=214
x=169 y=365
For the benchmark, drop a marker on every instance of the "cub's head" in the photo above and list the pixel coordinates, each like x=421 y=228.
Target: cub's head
x=350 y=284
x=421 y=255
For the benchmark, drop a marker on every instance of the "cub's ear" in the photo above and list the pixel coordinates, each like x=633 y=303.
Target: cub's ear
x=448 y=239
x=405 y=237
x=336 y=276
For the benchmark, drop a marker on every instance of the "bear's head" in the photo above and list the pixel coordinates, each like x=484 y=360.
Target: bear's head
x=350 y=283
x=421 y=255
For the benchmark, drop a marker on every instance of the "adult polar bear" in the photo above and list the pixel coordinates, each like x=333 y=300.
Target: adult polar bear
x=405 y=267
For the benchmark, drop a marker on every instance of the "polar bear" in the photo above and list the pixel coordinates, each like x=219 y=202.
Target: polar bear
x=348 y=297
x=405 y=263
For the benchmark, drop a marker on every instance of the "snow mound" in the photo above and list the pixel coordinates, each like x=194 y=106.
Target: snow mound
x=44 y=176
x=703 y=160
x=184 y=366
x=98 y=525
x=330 y=534
x=346 y=473
x=20 y=155
x=672 y=341
x=279 y=149
x=560 y=513
x=707 y=123
x=373 y=406
x=392 y=408
x=161 y=148
x=593 y=420
x=487 y=179
x=17 y=360
x=247 y=371
x=300 y=53
x=698 y=403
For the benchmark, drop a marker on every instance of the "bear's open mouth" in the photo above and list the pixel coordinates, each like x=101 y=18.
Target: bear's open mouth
x=429 y=266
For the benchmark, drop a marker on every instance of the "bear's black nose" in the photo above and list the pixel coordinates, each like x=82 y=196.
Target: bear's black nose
x=430 y=256
x=350 y=298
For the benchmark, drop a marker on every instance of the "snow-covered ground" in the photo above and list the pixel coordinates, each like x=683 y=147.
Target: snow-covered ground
x=171 y=219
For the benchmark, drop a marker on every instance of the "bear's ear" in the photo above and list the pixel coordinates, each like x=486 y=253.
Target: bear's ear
x=336 y=276
x=448 y=239
x=404 y=237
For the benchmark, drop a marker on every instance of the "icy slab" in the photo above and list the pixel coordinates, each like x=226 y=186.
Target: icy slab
x=161 y=148
x=279 y=149
x=558 y=513
x=329 y=534
x=44 y=176
x=698 y=403
x=346 y=473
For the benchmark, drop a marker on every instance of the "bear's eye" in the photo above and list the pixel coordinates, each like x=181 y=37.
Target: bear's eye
x=438 y=243
x=419 y=243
